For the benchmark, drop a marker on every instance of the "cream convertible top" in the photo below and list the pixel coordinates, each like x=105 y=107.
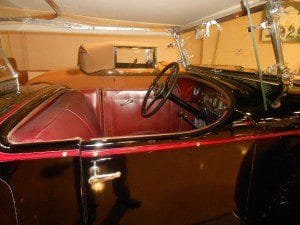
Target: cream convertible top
x=94 y=57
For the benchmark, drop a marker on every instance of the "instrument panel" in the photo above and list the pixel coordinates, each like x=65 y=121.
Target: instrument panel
x=214 y=103
x=209 y=100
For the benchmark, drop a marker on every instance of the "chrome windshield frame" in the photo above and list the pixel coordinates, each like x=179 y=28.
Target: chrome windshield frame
x=10 y=68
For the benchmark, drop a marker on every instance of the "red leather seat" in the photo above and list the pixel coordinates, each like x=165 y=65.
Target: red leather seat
x=95 y=113
x=68 y=117
x=94 y=99
x=122 y=115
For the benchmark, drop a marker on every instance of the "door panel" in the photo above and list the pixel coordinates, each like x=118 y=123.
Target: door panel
x=46 y=192
x=184 y=186
x=7 y=209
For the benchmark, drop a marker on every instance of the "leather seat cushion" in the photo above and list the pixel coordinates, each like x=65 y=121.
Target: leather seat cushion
x=68 y=117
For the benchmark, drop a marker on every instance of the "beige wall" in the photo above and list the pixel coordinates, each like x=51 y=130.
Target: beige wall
x=233 y=46
x=51 y=51
x=193 y=47
x=37 y=52
x=5 y=44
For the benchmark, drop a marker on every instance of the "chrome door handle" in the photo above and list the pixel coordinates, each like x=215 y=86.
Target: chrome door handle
x=96 y=177
x=128 y=101
x=104 y=177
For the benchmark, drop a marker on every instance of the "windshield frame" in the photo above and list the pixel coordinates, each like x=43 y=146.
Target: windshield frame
x=6 y=82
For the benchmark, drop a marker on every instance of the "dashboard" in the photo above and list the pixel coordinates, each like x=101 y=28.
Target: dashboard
x=213 y=102
x=205 y=98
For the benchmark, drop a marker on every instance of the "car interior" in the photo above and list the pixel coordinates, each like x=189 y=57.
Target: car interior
x=100 y=113
x=174 y=102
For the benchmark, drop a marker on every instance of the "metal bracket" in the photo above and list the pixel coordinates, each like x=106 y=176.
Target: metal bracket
x=182 y=52
x=204 y=30
x=128 y=101
x=9 y=67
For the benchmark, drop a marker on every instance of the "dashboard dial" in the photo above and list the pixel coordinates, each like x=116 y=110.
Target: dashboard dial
x=214 y=103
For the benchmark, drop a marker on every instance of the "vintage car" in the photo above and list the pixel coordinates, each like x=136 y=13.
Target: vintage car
x=200 y=145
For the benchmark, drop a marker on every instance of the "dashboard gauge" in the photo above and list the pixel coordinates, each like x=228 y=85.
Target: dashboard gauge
x=214 y=103
x=220 y=105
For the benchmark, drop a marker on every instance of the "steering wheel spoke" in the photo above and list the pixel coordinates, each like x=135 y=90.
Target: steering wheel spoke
x=151 y=104
x=160 y=91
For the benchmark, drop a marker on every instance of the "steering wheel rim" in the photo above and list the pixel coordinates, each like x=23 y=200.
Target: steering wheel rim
x=161 y=91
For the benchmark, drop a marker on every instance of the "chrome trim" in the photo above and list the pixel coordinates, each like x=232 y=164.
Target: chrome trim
x=272 y=17
x=13 y=72
x=260 y=74
x=128 y=101
x=96 y=177
x=182 y=51
x=273 y=13
x=204 y=31
x=14 y=201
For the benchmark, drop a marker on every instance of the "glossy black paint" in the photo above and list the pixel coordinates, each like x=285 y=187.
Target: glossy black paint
x=44 y=192
x=191 y=186
x=266 y=192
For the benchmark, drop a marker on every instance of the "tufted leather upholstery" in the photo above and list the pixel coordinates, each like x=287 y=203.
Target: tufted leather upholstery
x=122 y=117
x=68 y=117
x=96 y=113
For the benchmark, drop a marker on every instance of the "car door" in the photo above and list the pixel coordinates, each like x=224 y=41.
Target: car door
x=43 y=191
x=194 y=185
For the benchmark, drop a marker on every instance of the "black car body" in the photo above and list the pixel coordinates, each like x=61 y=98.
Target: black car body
x=212 y=153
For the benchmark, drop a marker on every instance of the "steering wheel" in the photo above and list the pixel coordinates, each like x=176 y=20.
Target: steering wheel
x=161 y=91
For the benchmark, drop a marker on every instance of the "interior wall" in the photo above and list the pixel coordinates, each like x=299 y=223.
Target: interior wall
x=233 y=46
x=39 y=52
x=193 y=47
x=5 y=44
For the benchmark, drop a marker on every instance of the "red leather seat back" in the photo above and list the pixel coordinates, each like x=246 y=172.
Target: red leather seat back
x=96 y=114
x=68 y=117
x=122 y=115
x=94 y=99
